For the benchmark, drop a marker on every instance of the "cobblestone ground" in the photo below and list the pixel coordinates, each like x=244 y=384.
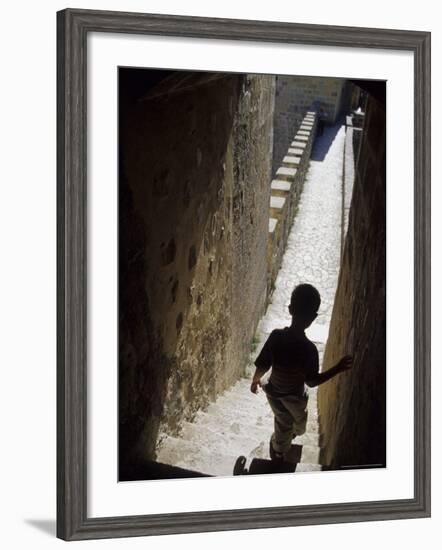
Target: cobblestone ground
x=240 y=423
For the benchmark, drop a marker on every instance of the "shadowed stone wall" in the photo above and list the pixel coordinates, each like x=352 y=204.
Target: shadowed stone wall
x=194 y=205
x=295 y=95
x=352 y=405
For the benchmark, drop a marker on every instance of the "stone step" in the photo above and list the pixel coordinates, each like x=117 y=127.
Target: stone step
x=278 y=185
x=240 y=395
x=277 y=202
x=255 y=435
x=303 y=132
x=309 y=438
x=240 y=405
x=272 y=224
x=204 y=450
x=298 y=144
x=295 y=151
x=184 y=454
x=232 y=415
x=286 y=174
x=301 y=454
x=223 y=437
x=291 y=160
x=300 y=137
x=306 y=467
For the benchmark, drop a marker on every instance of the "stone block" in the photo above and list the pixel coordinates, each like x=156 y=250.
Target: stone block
x=286 y=173
x=291 y=160
x=300 y=137
x=295 y=151
x=304 y=132
x=272 y=224
x=281 y=185
x=277 y=202
x=298 y=144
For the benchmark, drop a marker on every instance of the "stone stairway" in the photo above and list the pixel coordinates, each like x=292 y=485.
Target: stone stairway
x=239 y=422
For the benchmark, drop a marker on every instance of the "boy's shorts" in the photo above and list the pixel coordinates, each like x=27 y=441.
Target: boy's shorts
x=290 y=413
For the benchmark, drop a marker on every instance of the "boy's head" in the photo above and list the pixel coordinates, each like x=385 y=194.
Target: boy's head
x=304 y=304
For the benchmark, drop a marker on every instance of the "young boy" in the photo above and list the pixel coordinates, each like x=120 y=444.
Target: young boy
x=294 y=361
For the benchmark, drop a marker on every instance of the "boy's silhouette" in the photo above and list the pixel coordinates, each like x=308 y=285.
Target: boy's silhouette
x=295 y=362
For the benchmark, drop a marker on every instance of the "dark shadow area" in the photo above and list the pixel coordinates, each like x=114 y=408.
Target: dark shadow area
x=47 y=526
x=294 y=455
x=268 y=466
x=323 y=143
x=170 y=196
x=353 y=409
x=148 y=470
x=193 y=157
x=262 y=466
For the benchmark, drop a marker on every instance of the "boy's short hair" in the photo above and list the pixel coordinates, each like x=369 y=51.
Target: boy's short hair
x=305 y=299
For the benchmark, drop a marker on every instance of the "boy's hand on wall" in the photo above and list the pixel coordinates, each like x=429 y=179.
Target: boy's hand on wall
x=345 y=363
x=255 y=385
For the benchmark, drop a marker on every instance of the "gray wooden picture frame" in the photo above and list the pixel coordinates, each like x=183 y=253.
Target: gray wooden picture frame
x=73 y=27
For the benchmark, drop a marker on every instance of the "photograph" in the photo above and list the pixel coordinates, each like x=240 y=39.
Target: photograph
x=251 y=274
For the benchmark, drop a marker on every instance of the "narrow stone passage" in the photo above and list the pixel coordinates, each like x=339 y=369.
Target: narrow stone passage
x=239 y=422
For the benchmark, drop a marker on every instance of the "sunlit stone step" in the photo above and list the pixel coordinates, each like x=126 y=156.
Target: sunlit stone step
x=291 y=160
x=286 y=173
x=184 y=454
x=279 y=185
x=303 y=467
x=272 y=224
x=298 y=144
x=295 y=151
x=277 y=202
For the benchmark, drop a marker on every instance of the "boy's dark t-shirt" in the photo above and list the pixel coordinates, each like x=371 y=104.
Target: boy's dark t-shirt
x=294 y=359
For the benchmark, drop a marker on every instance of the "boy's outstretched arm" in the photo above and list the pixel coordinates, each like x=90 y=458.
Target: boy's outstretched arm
x=344 y=364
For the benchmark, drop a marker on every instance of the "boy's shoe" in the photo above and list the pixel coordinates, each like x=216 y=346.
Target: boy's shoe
x=277 y=457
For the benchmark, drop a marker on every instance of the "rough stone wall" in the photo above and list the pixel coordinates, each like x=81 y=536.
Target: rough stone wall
x=194 y=196
x=295 y=95
x=252 y=154
x=352 y=405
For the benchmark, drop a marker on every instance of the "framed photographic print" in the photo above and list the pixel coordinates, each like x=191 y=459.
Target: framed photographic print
x=243 y=274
